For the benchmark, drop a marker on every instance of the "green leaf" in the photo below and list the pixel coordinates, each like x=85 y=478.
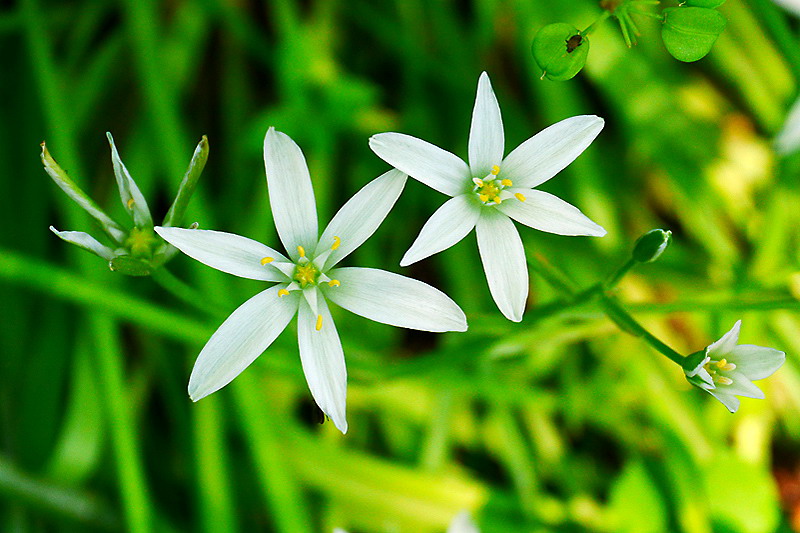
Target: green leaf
x=690 y=32
x=186 y=188
x=705 y=3
x=560 y=51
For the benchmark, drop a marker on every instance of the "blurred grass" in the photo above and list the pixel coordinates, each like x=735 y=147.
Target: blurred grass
x=560 y=423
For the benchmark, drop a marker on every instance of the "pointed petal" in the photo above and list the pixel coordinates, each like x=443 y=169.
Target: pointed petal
x=741 y=386
x=503 y=258
x=790 y=5
x=396 y=300
x=756 y=362
x=447 y=226
x=546 y=212
x=227 y=252
x=323 y=362
x=311 y=295
x=788 y=139
x=436 y=168
x=85 y=241
x=290 y=193
x=726 y=344
x=548 y=152
x=486 y=140
x=358 y=219
x=240 y=339
x=728 y=400
x=462 y=523
x=132 y=199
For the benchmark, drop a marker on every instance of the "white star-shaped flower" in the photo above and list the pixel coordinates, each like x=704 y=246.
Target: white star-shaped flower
x=306 y=280
x=492 y=190
x=728 y=369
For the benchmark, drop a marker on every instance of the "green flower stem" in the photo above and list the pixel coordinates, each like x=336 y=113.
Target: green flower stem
x=627 y=323
x=619 y=274
x=594 y=25
x=552 y=274
x=66 y=503
x=167 y=281
x=776 y=24
x=120 y=419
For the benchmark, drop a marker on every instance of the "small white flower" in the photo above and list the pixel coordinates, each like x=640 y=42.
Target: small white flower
x=306 y=280
x=728 y=369
x=491 y=190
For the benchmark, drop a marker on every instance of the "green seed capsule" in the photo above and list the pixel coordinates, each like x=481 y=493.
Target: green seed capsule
x=651 y=245
x=690 y=32
x=560 y=51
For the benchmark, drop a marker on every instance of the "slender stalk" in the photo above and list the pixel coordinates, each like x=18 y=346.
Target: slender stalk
x=167 y=281
x=619 y=274
x=594 y=25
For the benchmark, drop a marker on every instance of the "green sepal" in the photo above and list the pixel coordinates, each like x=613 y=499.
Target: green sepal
x=690 y=32
x=693 y=362
x=186 y=188
x=651 y=245
x=711 y=4
x=560 y=51
x=72 y=190
x=130 y=266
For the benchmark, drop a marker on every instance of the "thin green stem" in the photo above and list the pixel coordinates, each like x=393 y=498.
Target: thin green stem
x=169 y=282
x=619 y=274
x=627 y=323
x=594 y=25
x=552 y=274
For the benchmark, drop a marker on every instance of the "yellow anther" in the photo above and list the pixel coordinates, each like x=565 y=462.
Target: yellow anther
x=520 y=196
x=506 y=182
x=282 y=293
x=721 y=363
x=334 y=283
x=301 y=251
x=497 y=200
x=130 y=203
x=319 y=322
x=336 y=242
x=483 y=197
x=724 y=381
x=729 y=367
x=495 y=170
x=266 y=260
x=478 y=182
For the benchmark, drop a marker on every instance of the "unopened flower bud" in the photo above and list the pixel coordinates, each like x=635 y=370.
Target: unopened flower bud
x=651 y=245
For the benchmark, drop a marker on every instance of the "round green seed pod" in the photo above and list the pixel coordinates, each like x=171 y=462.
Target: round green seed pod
x=560 y=51
x=690 y=32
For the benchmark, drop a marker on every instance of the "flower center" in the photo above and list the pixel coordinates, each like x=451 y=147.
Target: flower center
x=306 y=274
x=140 y=242
x=489 y=189
x=716 y=369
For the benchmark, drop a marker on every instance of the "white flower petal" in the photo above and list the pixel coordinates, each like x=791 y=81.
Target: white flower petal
x=486 y=139
x=549 y=213
x=728 y=400
x=132 y=199
x=436 y=168
x=790 y=5
x=756 y=362
x=227 y=252
x=291 y=195
x=323 y=362
x=395 y=300
x=358 y=219
x=85 y=241
x=503 y=258
x=462 y=523
x=548 y=152
x=726 y=344
x=448 y=225
x=240 y=339
x=788 y=139
x=741 y=386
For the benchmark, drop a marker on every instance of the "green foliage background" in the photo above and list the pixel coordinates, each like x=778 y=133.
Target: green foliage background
x=559 y=423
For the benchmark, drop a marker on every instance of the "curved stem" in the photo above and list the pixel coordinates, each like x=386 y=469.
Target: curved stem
x=619 y=274
x=594 y=25
x=169 y=282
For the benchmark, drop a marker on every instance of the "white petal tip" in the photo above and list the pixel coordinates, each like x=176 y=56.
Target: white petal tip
x=600 y=232
x=341 y=426
x=54 y=230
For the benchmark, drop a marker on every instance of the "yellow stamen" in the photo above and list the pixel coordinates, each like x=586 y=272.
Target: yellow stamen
x=520 y=196
x=334 y=283
x=336 y=242
x=319 y=322
x=729 y=367
x=130 y=203
x=721 y=363
x=301 y=251
x=478 y=182
x=724 y=381
x=506 y=182
x=497 y=200
x=483 y=197
x=282 y=293
x=495 y=170
x=266 y=260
